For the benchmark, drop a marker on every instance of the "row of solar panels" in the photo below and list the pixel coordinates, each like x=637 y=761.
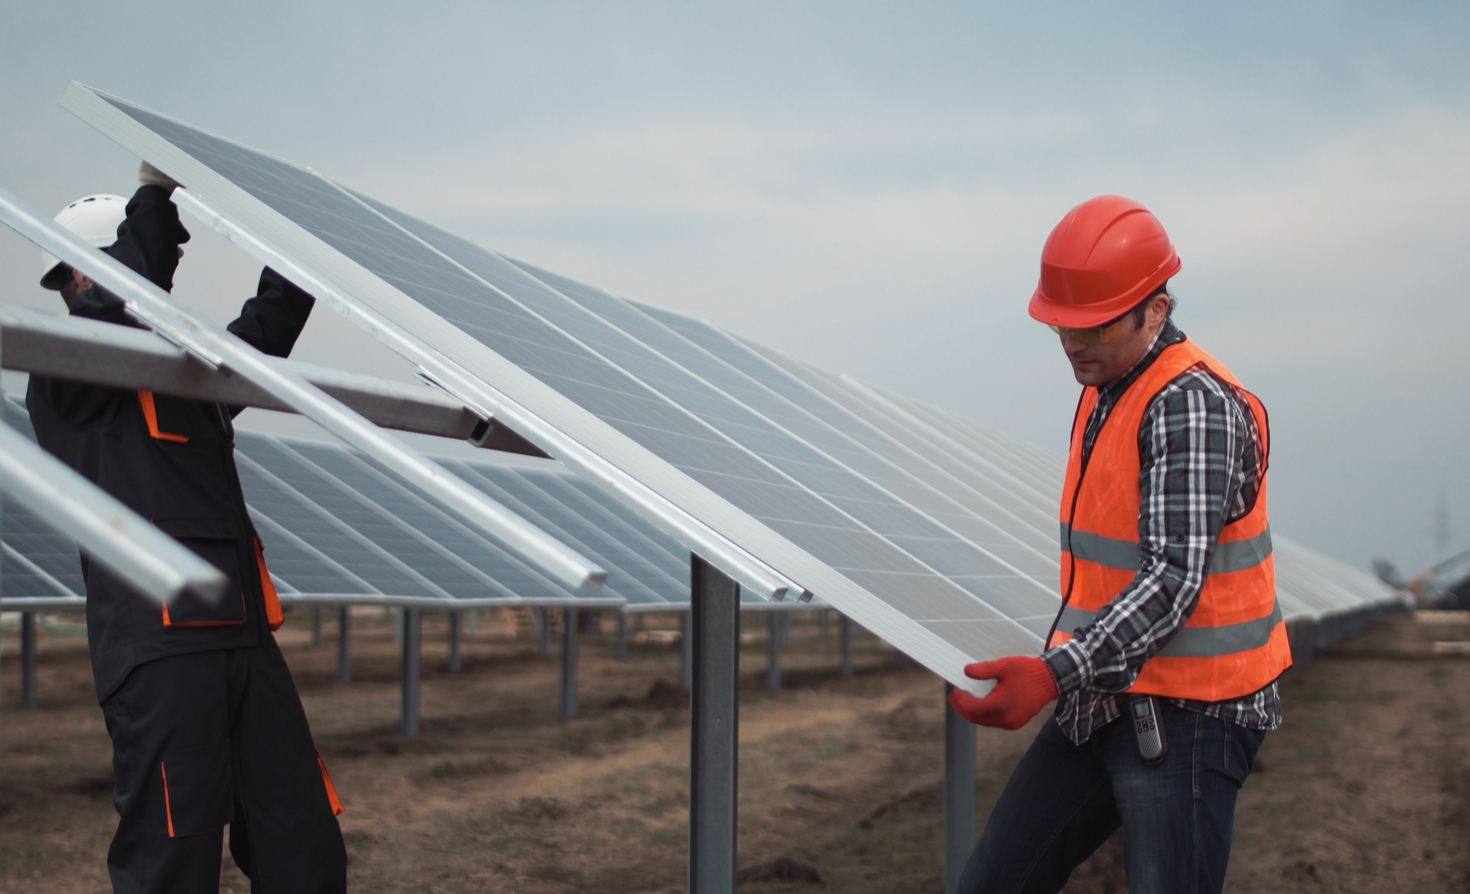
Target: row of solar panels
x=337 y=529
x=939 y=536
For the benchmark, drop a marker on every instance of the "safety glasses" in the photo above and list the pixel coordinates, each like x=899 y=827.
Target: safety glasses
x=1094 y=335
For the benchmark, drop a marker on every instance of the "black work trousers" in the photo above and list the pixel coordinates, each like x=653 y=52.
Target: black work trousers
x=207 y=739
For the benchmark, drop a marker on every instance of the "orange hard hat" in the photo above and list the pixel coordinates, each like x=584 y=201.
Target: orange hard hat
x=1107 y=254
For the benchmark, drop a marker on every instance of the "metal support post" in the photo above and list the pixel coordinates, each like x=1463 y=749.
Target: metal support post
x=569 y=664
x=844 y=632
x=344 y=644
x=959 y=793
x=474 y=622
x=686 y=652
x=773 y=652
x=714 y=727
x=411 y=657
x=454 y=651
x=316 y=625
x=622 y=648
x=543 y=622
x=822 y=625
x=27 y=659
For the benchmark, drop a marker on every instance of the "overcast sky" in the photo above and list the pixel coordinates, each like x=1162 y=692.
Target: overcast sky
x=868 y=186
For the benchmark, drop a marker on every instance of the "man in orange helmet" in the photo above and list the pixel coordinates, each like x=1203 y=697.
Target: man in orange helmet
x=1165 y=654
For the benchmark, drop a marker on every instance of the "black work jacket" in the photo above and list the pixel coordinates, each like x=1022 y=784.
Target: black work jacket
x=170 y=459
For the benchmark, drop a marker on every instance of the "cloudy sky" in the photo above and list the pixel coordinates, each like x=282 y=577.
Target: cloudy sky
x=868 y=186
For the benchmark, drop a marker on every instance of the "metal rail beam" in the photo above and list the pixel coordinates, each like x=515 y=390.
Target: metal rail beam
x=959 y=793
x=714 y=727
x=90 y=351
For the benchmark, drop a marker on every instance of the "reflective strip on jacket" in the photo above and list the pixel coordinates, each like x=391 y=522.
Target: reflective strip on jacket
x=1235 y=641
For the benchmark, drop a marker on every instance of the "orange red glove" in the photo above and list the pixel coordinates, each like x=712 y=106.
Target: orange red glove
x=1023 y=686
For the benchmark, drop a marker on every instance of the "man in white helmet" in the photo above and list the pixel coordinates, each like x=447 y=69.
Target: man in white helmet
x=206 y=725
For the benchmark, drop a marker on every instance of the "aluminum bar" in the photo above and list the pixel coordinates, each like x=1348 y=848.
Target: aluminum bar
x=214 y=347
x=959 y=793
x=112 y=534
x=714 y=727
x=91 y=351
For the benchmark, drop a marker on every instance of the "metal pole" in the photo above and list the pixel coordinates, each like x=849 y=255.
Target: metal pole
x=714 y=727
x=27 y=659
x=773 y=652
x=454 y=651
x=344 y=644
x=543 y=618
x=959 y=793
x=622 y=649
x=845 y=633
x=569 y=664
x=316 y=625
x=474 y=621
x=686 y=652
x=411 y=657
x=822 y=624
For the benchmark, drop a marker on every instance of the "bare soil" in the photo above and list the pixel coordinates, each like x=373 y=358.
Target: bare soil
x=1366 y=788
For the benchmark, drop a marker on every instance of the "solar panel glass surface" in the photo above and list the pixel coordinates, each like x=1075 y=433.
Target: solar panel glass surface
x=950 y=527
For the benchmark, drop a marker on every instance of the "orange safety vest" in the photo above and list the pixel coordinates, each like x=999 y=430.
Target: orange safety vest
x=1235 y=641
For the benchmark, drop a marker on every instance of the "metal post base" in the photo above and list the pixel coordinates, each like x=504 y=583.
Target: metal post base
x=686 y=652
x=454 y=643
x=569 y=664
x=845 y=633
x=959 y=793
x=28 y=687
x=773 y=652
x=714 y=725
x=344 y=644
x=412 y=656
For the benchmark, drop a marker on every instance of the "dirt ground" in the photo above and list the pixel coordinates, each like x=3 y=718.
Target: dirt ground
x=1366 y=788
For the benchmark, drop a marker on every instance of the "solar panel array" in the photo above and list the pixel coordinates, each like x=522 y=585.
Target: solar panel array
x=337 y=529
x=938 y=535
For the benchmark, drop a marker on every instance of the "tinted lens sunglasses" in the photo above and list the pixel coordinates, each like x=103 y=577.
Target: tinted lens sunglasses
x=1093 y=335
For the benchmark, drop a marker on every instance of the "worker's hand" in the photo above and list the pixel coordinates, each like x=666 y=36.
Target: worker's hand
x=1023 y=686
x=148 y=175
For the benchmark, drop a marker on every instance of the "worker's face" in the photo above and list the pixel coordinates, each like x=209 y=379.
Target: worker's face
x=1100 y=364
x=73 y=286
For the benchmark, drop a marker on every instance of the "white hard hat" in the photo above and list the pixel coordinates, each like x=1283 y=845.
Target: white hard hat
x=95 y=219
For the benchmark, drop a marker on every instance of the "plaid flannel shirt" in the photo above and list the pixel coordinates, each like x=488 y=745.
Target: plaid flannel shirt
x=1200 y=454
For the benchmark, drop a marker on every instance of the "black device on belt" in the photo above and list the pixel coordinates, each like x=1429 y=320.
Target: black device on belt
x=1148 y=728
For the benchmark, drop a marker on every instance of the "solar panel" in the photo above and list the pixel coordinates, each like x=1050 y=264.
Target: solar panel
x=937 y=534
x=583 y=382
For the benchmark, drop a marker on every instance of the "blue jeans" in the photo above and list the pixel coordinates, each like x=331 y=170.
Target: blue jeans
x=1064 y=800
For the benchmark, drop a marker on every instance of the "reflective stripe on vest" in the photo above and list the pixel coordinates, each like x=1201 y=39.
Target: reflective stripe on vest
x=1237 y=555
x=1195 y=642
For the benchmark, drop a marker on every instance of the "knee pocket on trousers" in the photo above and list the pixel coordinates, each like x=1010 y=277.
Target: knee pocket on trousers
x=198 y=788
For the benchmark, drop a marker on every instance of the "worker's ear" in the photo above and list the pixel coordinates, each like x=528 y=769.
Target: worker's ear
x=83 y=283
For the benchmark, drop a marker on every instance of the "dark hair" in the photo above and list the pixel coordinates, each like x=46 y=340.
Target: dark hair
x=1141 y=309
